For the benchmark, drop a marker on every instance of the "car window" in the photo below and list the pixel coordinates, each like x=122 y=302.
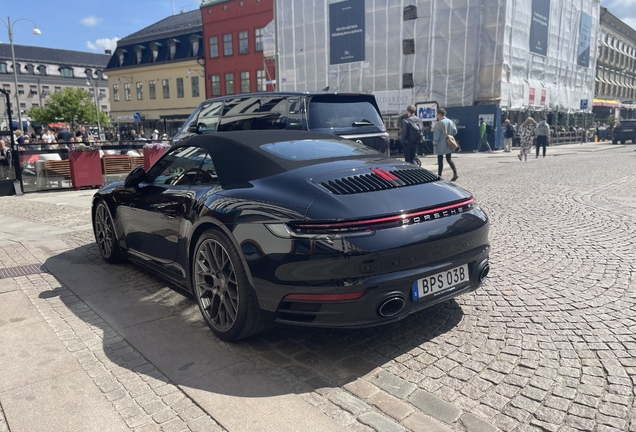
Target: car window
x=255 y=113
x=342 y=112
x=207 y=173
x=317 y=149
x=178 y=167
x=209 y=117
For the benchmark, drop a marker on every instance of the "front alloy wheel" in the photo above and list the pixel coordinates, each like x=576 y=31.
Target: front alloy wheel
x=105 y=234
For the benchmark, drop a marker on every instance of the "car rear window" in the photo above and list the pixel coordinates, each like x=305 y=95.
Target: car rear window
x=317 y=149
x=343 y=112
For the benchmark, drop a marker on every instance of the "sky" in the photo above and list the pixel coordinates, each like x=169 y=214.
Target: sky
x=91 y=25
x=84 y=25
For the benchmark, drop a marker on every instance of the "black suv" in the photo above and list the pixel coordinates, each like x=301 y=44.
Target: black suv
x=624 y=131
x=351 y=116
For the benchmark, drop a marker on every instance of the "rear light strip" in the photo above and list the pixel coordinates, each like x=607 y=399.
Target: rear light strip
x=323 y=297
x=414 y=217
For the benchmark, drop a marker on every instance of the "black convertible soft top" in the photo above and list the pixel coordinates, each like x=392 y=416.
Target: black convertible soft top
x=239 y=156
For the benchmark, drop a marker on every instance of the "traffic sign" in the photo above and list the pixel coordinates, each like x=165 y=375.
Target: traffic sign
x=137 y=117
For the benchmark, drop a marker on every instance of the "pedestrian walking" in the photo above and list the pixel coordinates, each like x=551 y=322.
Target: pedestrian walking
x=411 y=134
x=528 y=129
x=543 y=135
x=483 y=136
x=440 y=148
x=4 y=160
x=509 y=134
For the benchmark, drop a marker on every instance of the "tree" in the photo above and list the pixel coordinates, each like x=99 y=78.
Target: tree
x=71 y=105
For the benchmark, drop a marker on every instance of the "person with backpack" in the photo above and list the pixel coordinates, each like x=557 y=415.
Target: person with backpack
x=411 y=134
x=543 y=135
x=509 y=134
x=483 y=136
x=443 y=128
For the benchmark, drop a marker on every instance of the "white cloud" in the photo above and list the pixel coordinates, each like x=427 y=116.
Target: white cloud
x=103 y=44
x=630 y=22
x=91 y=21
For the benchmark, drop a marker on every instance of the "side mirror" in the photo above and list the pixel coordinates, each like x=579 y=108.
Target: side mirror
x=136 y=176
x=193 y=129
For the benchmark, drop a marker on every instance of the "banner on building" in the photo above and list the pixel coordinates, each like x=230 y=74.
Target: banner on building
x=393 y=101
x=539 y=27
x=585 y=39
x=346 y=32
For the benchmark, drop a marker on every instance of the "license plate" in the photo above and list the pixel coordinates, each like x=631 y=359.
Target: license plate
x=437 y=283
x=628 y=130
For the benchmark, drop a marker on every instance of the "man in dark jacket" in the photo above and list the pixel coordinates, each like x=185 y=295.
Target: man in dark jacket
x=509 y=134
x=411 y=134
x=64 y=135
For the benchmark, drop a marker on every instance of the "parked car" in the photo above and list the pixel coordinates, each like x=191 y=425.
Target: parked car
x=294 y=228
x=353 y=116
x=624 y=131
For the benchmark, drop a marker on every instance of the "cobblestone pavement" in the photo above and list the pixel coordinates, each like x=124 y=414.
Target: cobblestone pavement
x=547 y=344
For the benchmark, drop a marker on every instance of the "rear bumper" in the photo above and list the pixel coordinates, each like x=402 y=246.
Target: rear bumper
x=391 y=291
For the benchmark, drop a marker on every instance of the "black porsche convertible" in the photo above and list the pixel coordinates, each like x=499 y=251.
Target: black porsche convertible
x=294 y=228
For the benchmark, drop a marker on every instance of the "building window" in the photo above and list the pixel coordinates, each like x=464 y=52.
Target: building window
x=152 y=90
x=140 y=91
x=45 y=91
x=172 y=48
x=216 y=85
x=166 y=88
x=127 y=91
x=245 y=82
x=260 y=81
x=243 y=42
x=214 y=47
x=42 y=70
x=139 y=52
x=258 y=39
x=194 y=43
x=3 y=68
x=33 y=90
x=194 y=81
x=227 y=44
x=35 y=104
x=102 y=93
x=20 y=89
x=66 y=72
x=104 y=108
x=408 y=46
x=154 y=48
x=229 y=83
x=410 y=13
x=407 y=80
x=179 y=87
x=59 y=89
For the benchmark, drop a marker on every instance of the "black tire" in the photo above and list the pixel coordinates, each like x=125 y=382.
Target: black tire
x=623 y=141
x=104 y=230
x=614 y=142
x=219 y=283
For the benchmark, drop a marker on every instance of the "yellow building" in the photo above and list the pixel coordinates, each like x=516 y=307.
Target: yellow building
x=156 y=76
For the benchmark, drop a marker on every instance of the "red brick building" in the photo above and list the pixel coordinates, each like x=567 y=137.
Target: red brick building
x=233 y=37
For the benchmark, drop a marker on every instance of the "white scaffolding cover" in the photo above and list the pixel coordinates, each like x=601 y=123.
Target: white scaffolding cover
x=466 y=51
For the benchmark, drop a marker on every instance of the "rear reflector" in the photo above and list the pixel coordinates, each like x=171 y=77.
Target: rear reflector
x=323 y=297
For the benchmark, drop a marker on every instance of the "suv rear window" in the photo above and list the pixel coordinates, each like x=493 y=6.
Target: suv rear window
x=331 y=111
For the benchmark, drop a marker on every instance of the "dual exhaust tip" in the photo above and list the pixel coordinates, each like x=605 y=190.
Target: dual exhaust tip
x=395 y=303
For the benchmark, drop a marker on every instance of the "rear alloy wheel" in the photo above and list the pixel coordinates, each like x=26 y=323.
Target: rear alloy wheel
x=225 y=297
x=105 y=234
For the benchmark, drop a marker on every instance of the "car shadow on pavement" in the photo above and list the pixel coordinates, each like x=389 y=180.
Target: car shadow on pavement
x=156 y=330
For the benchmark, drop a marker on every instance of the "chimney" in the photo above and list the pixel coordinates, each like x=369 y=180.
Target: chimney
x=108 y=52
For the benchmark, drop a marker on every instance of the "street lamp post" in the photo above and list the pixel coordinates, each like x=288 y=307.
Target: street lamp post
x=91 y=82
x=35 y=31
